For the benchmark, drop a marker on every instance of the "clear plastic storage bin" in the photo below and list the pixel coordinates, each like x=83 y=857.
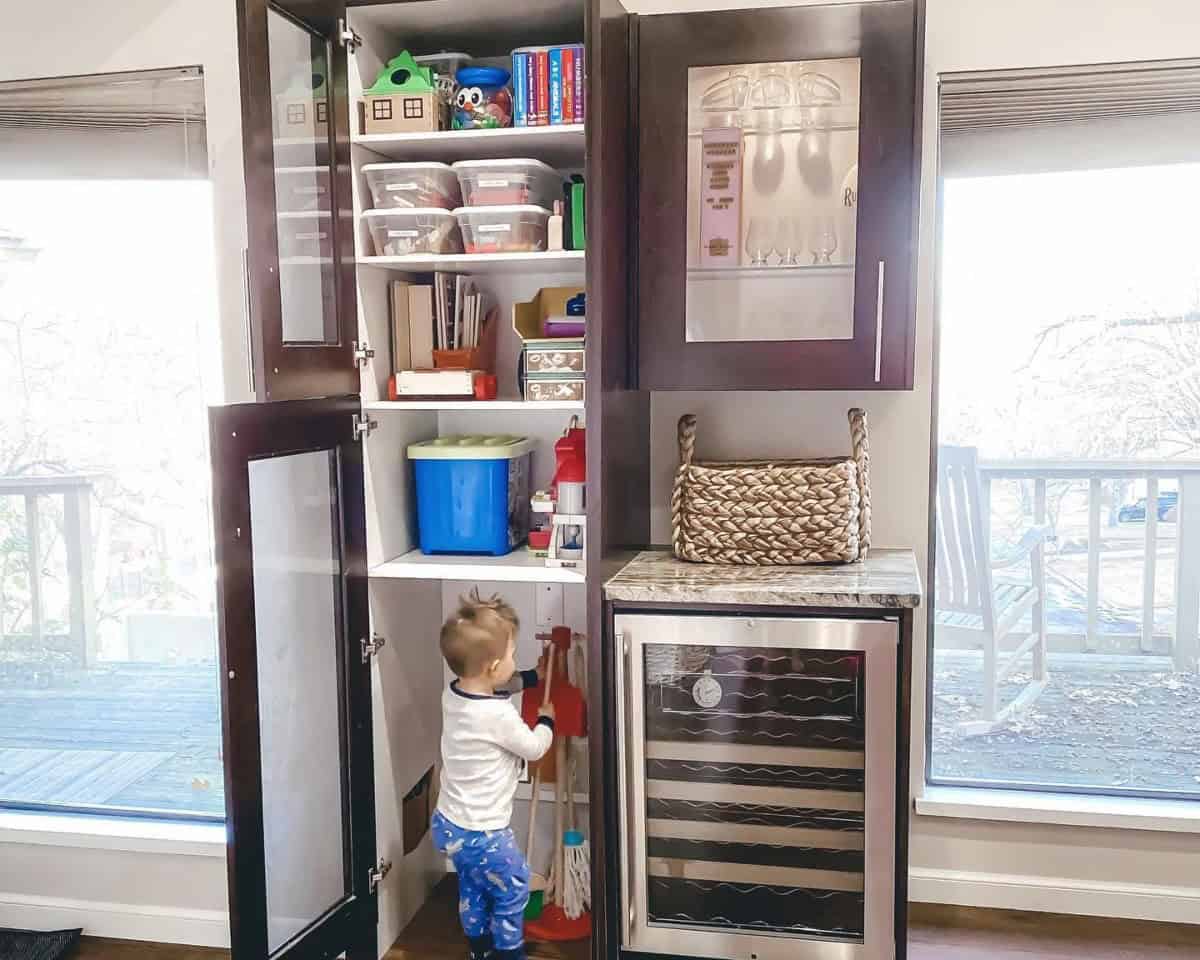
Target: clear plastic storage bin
x=487 y=183
x=397 y=233
x=520 y=228
x=299 y=189
x=305 y=235
x=412 y=185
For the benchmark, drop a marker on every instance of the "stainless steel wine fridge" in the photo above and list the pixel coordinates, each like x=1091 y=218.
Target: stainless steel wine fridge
x=757 y=786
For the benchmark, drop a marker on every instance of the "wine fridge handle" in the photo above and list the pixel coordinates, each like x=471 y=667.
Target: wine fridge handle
x=628 y=909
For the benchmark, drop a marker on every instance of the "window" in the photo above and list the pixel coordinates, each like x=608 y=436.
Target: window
x=1067 y=515
x=414 y=108
x=109 y=699
x=382 y=109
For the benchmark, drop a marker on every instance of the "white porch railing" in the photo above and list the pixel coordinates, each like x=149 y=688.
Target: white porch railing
x=1185 y=640
x=76 y=492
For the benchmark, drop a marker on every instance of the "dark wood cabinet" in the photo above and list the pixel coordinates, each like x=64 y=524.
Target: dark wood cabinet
x=777 y=197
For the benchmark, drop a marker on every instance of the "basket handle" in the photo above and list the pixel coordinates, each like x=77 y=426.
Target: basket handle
x=862 y=459
x=687 y=439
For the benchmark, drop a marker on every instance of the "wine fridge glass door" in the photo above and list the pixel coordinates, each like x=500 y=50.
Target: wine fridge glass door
x=759 y=786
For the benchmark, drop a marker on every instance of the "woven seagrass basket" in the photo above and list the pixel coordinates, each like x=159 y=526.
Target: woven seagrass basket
x=765 y=512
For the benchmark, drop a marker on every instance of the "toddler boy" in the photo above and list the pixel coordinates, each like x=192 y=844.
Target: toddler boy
x=485 y=746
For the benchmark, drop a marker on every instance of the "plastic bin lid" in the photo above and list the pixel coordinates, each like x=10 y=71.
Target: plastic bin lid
x=408 y=212
x=415 y=166
x=502 y=208
x=474 y=446
x=512 y=163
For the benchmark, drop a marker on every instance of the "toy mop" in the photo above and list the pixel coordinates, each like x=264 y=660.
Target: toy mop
x=565 y=897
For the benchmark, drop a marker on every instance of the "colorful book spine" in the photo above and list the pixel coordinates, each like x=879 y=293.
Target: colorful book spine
x=520 y=91
x=532 y=89
x=543 y=87
x=568 y=85
x=580 y=85
x=556 y=85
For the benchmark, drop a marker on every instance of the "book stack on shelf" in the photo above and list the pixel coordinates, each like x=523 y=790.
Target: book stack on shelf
x=443 y=340
x=549 y=84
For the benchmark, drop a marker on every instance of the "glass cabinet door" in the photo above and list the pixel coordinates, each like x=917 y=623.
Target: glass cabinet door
x=772 y=200
x=759 y=782
x=288 y=509
x=777 y=197
x=300 y=253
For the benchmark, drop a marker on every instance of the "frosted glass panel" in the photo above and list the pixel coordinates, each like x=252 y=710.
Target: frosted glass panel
x=300 y=110
x=296 y=612
x=772 y=200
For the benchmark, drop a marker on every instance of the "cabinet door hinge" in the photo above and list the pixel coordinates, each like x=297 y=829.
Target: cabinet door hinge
x=371 y=648
x=362 y=353
x=363 y=425
x=376 y=874
x=348 y=36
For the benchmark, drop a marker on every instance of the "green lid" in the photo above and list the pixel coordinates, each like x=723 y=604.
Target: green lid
x=475 y=446
x=403 y=74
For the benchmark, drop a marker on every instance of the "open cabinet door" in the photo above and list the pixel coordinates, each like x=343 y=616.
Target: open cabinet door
x=300 y=218
x=295 y=686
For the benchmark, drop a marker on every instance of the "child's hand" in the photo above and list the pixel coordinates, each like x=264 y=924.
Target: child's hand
x=546 y=710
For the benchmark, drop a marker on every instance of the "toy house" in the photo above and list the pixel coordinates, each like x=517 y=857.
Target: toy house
x=403 y=99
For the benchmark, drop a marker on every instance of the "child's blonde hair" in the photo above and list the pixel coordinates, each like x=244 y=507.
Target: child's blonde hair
x=478 y=634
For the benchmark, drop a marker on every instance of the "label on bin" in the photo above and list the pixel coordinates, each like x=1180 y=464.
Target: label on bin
x=494 y=228
x=401 y=186
x=404 y=233
x=493 y=182
x=311 y=235
x=309 y=190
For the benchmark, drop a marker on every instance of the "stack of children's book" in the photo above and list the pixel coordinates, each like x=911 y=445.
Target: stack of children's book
x=549 y=84
x=443 y=335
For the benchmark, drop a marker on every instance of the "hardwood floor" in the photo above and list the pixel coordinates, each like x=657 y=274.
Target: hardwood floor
x=938 y=933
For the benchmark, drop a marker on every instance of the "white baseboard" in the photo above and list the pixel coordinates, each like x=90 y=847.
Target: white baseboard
x=1089 y=898
x=124 y=921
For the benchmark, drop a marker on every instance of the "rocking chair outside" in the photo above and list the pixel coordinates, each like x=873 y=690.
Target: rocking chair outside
x=972 y=609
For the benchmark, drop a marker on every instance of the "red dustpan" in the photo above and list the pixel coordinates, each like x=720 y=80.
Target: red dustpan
x=554 y=925
x=570 y=709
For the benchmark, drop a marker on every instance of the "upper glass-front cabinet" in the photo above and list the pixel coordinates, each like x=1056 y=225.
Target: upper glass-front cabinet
x=300 y=249
x=777 y=197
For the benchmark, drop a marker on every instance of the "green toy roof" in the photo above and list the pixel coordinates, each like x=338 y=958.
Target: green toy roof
x=403 y=74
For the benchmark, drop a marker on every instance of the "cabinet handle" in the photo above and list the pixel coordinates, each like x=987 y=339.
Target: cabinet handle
x=623 y=784
x=879 y=325
x=249 y=319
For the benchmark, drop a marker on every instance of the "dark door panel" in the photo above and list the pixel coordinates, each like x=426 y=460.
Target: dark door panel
x=291 y=557
x=872 y=346
x=300 y=218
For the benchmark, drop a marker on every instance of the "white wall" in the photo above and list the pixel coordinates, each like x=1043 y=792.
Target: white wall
x=1132 y=873
x=128 y=894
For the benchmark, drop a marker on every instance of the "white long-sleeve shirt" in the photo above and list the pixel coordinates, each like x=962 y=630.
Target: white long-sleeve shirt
x=485 y=746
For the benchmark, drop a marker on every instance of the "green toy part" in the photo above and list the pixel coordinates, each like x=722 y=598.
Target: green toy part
x=403 y=74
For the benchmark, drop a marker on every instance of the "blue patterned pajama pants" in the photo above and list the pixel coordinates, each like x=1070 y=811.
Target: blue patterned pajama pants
x=493 y=881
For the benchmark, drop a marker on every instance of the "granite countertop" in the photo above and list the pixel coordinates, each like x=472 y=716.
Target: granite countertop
x=887 y=578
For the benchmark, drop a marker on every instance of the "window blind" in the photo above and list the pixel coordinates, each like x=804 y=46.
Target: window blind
x=1069 y=118
x=144 y=124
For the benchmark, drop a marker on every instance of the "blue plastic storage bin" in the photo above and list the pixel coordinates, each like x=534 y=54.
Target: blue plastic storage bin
x=472 y=493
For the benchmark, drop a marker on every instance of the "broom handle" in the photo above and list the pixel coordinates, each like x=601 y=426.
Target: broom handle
x=537 y=773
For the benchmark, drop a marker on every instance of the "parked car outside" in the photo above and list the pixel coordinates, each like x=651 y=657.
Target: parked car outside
x=1168 y=500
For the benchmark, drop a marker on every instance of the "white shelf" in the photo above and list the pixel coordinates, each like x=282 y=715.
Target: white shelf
x=559 y=261
x=559 y=146
x=475 y=406
x=520 y=566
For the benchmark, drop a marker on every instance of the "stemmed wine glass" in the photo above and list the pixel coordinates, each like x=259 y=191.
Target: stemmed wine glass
x=822 y=238
x=758 y=241
x=788 y=240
